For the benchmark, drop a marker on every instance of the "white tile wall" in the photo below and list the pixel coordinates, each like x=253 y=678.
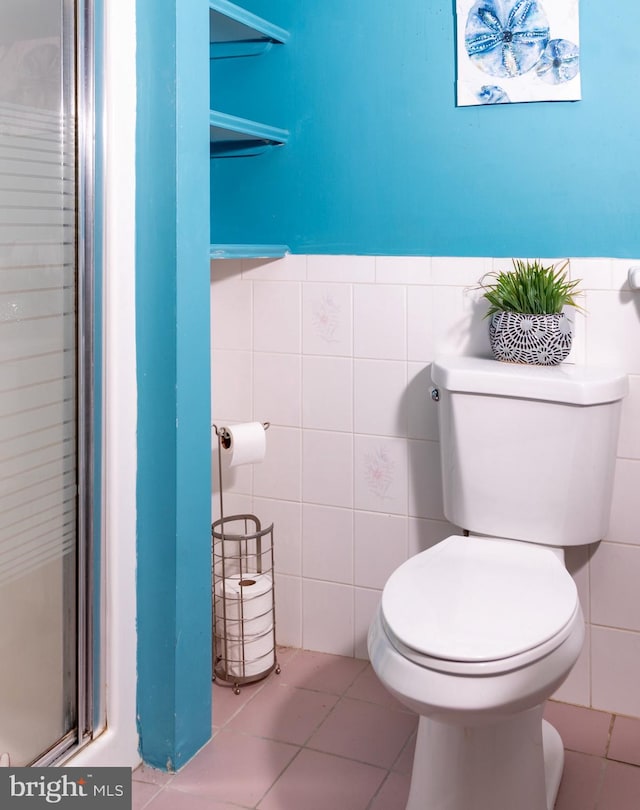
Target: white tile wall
x=328 y=617
x=381 y=543
x=615 y=663
x=286 y=517
x=624 y=527
x=380 y=397
x=334 y=351
x=614 y=586
x=366 y=604
x=327 y=468
x=327 y=393
x=282 y=403
x=327 y=543
x=278 y=476
x=379 y=322
x=276 y=316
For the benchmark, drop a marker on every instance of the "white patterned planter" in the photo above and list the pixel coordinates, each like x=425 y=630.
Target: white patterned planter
x=541 y=340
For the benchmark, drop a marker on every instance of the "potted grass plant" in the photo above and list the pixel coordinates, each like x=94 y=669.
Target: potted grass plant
x=527 y=318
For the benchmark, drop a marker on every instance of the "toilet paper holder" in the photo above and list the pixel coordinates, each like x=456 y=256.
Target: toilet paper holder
x=243 y=594
x=224 y=436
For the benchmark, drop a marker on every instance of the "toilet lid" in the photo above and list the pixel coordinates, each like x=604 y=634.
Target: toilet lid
x=478 y=599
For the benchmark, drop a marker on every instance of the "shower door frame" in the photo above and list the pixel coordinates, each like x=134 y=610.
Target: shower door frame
x=79 y=53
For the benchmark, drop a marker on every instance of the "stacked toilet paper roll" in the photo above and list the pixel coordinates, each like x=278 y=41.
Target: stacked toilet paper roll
x=244 y=623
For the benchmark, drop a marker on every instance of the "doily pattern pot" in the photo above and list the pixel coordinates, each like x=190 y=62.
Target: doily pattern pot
x=541 y=340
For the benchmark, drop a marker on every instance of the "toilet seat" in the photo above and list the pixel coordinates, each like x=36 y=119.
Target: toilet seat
x=479 y=605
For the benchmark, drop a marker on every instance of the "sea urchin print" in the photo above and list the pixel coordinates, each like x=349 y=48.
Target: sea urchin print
x=492 y=94
x=560 y=62
x=506 y=37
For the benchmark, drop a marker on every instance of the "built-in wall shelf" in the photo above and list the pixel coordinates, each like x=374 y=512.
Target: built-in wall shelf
x=231 y=136
x=248 y=251
x=234 y=31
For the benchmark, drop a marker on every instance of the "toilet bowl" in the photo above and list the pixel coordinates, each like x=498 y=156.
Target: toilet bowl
x=475 y=633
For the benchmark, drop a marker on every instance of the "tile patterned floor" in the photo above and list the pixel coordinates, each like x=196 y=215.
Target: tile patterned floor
x=324 y=735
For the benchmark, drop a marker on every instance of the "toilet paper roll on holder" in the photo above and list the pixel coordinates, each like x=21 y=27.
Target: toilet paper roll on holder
x=224 y=434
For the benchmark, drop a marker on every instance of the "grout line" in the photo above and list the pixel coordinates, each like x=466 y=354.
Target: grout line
x=279 y=776
x=600 y=785
x=373 y=799
x=612 y=721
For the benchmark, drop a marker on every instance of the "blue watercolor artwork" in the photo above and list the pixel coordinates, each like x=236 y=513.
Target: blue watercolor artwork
x=517 y=50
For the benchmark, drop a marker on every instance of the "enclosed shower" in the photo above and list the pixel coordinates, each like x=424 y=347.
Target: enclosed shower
x=46 y=383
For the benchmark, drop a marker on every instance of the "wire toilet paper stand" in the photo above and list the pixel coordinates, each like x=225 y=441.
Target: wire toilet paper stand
x=243 y=594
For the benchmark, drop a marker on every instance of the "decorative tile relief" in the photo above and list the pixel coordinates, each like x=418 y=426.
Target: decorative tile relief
x=326 y=319
x=381 y=475
x=379 y=472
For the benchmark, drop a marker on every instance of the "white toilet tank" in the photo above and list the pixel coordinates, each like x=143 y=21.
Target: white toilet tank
x=528 y=452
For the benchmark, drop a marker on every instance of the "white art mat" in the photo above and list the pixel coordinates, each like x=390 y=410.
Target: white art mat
x=517 y=50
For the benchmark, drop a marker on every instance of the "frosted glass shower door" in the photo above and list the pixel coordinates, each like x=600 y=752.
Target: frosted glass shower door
x=38 y=361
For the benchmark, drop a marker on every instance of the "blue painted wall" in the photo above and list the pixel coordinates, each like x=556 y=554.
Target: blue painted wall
x=381 y=161
x=172 y=346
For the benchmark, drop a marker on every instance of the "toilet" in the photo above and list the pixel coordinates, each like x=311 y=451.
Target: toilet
x=476 y=632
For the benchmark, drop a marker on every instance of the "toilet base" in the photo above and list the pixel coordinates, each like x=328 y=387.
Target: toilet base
x=514 y=763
